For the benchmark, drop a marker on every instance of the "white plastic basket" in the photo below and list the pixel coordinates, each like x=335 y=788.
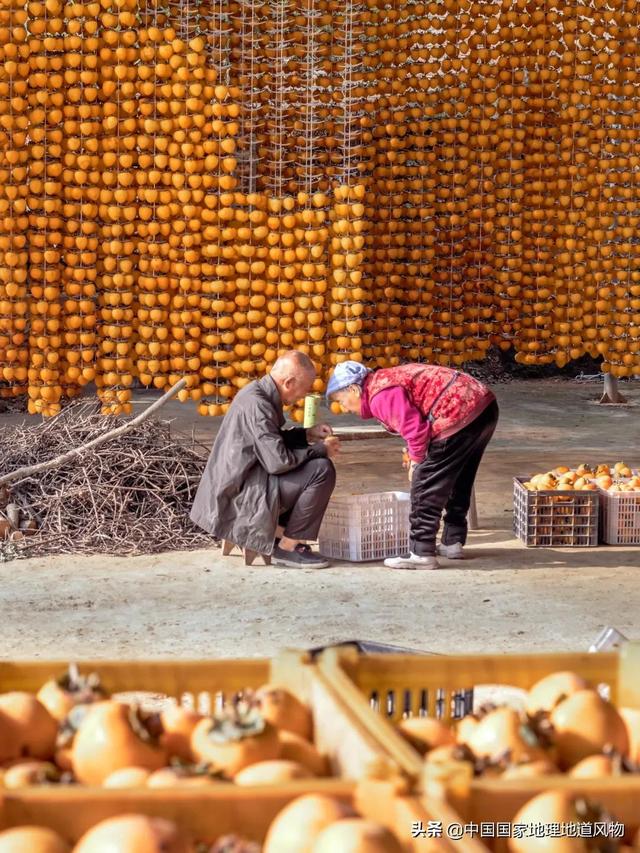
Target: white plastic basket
x=620 y=518
x=366 y=527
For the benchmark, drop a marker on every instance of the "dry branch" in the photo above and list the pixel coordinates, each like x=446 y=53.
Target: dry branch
x=70 y=455
x=124 y=495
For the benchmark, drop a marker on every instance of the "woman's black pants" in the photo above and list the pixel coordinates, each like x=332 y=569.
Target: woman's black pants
x=444 y=482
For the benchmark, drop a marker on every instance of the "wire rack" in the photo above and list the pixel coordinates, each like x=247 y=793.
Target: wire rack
x=192 y=151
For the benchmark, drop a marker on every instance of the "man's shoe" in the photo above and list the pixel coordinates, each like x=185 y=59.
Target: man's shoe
x=451 y=552
x=302 y=557
x=412 y=561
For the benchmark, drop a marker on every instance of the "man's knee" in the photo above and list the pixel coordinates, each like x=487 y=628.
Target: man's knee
x=330 y=472
x=323 y=469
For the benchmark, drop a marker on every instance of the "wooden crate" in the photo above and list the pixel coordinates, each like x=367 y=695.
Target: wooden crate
x=207 y=812
x=403 y=685
x=428 y=684
x=352 y=750
x=402 y=811
x=210 y=813
x=225 y=809
x=173 y=678
x=494 y=800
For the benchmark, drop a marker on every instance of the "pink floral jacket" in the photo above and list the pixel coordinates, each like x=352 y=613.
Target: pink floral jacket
x=401 y=398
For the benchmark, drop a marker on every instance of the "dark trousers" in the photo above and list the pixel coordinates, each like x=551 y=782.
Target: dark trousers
x=304 y=495
x=444 y=482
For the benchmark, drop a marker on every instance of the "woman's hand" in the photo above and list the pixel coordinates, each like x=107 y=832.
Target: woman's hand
x=411 y=468
x=318 y=433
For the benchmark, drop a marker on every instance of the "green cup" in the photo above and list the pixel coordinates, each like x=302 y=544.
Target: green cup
x=311 y=403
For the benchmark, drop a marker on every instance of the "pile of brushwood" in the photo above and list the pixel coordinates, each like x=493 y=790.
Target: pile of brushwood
x=131 y=495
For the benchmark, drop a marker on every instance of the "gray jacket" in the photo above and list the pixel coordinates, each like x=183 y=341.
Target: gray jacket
x=238 y=497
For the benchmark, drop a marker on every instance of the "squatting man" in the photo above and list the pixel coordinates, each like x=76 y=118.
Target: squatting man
x=262 y=480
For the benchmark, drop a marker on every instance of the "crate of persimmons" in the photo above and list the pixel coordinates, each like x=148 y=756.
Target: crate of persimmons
x=619 y=506
x=553 y=738
x=562 y=508
x=205 y=757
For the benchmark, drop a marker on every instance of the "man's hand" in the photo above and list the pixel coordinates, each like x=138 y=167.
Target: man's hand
x=332 y=443
x=319 y=433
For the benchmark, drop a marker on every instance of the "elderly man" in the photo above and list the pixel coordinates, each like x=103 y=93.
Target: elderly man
x=260 y=476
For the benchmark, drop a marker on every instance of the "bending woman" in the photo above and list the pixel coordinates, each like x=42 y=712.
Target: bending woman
x=447 y=419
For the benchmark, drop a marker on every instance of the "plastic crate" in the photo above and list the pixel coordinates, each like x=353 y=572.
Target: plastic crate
x=366 y=527
x=619 y=518
x=555 y=519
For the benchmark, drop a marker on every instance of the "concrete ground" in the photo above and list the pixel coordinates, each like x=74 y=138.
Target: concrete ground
x=502 y=598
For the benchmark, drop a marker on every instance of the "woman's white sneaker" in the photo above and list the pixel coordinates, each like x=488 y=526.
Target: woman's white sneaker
x=451 y=552
x=412 y=561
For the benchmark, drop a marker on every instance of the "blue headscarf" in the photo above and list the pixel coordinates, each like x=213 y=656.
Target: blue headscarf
x=346 y=373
